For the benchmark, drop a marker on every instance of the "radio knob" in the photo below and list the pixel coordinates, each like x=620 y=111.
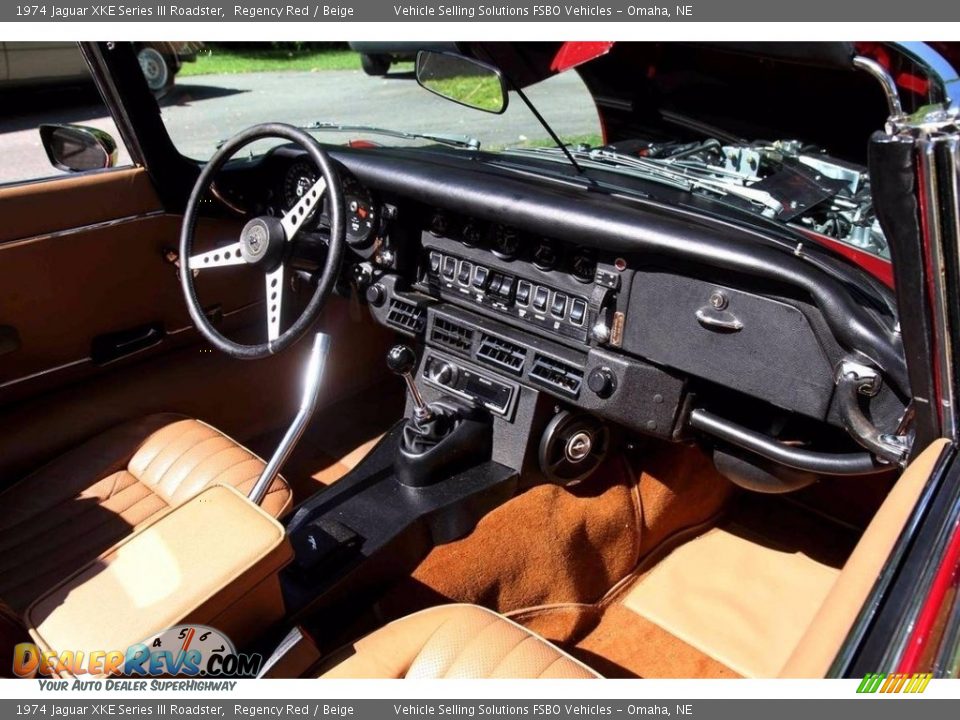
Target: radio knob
x=444 y=374
x=602 y=381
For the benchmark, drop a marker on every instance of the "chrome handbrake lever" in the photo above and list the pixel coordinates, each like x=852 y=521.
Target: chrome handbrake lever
x=308 y=403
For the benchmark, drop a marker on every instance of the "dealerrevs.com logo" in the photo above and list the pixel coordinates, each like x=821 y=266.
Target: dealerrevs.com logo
x=181 y=651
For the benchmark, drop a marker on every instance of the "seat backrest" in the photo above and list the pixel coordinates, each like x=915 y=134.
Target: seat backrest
x=825 y=635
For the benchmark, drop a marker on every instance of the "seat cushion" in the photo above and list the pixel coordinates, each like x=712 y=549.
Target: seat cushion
x=12 y=633
x=81 y=503
x=453 y=641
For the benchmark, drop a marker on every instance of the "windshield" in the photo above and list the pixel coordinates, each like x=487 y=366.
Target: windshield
x=226 y=87
x=369 y=93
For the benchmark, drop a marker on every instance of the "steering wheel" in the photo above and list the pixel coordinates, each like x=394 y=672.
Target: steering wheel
x=265 y=243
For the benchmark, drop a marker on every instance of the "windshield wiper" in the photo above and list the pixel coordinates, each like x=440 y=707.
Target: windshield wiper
x=672 y=172
x=464 y=141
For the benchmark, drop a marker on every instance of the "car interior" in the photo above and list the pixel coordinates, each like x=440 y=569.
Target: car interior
x=420 y=412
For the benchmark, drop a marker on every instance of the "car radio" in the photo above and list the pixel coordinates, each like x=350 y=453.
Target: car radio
x=459 y=379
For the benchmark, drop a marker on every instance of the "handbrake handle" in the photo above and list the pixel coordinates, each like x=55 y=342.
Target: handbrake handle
x=308 y=403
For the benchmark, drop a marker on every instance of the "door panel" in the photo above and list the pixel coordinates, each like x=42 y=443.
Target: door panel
x=243 y=398
x=89 y=276
x=31 y=210
x=62 y=291
x=85 y=257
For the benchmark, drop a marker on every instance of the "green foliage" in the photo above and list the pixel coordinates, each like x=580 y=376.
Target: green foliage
x=483 y=92
x=231 y=58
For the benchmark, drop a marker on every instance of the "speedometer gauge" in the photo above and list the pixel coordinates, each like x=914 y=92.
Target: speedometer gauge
x=300 y=177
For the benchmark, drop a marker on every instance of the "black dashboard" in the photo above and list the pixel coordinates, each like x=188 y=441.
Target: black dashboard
x=279 y=180
x=626 y=308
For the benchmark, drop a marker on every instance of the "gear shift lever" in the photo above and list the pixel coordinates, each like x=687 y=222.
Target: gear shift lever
x=437 y=440
x=403 y=361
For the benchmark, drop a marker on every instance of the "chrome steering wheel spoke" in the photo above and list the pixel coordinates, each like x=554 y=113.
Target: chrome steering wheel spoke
x=264 y=245
x=219 y=257
x=291 y=223
x=298 y=214
x=274 y=298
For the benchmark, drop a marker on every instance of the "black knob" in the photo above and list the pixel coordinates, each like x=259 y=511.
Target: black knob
x=602 y=381
x=401 y=359
x=375 y=294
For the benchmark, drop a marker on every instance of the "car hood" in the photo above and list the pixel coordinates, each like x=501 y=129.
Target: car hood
x=770 y=91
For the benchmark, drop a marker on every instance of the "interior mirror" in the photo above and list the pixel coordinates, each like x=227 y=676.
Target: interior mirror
x=463 y=80
x=77 y=148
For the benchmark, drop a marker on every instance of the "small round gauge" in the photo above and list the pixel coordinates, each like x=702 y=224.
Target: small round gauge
x=440 y=224
x=584 y=264
x=547 y=254
x=300 y=177
x=361 y=213
x=472 y=234
x=506 y=242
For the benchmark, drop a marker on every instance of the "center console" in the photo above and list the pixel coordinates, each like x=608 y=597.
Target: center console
x=519 y=380
x=214 y=560
x=428 y=481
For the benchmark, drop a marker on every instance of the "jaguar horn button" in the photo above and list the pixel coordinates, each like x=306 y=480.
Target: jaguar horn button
x=261 y=242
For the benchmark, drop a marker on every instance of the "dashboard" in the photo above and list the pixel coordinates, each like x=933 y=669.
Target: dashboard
x=278 y=184
x=631 y=311
x=530 y=278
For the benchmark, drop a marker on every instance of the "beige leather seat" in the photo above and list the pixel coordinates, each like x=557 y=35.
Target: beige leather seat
x=453 y=641
x=77 y=506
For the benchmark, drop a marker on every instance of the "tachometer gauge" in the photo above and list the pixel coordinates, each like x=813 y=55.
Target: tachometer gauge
x=547 y=254
x=506 y=242
x=361 y=213
x=584 y=264
x=299 y=178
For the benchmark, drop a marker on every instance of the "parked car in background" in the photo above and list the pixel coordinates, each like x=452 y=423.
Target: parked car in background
x=26 y=64
x=376 y=57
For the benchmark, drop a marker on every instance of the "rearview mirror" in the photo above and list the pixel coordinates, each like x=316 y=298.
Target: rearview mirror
x=77 y=148
x=463 y=80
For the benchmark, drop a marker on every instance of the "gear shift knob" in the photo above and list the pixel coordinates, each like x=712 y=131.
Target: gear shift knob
x=403 y=361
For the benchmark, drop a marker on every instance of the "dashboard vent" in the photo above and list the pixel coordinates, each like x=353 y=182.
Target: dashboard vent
x=502 y=353
x=451 y=334
x=557 y=374
x=405 y=315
